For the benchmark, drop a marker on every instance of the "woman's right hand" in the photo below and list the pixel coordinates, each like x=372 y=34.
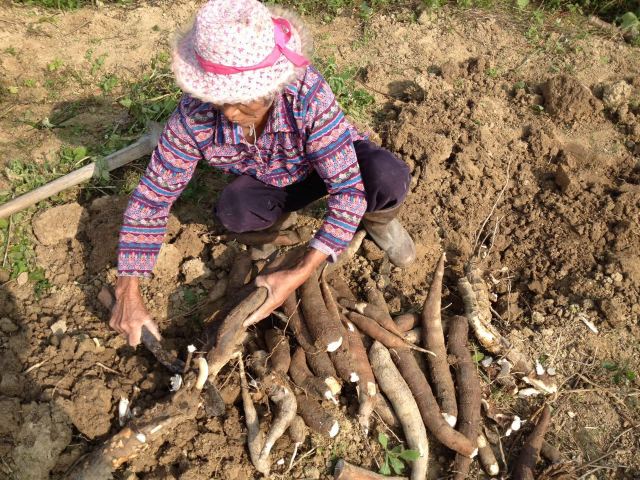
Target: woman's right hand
x=129 y=313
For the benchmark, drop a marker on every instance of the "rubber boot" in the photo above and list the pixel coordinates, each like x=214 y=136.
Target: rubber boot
x=390 y=236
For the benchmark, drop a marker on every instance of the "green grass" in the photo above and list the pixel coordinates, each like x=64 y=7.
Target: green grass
x=354 y=101
x=66 y=4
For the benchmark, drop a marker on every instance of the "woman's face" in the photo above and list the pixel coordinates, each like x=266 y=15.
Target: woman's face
x=246 y=114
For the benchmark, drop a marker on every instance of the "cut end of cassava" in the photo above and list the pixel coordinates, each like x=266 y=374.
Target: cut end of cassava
x=203 y=372
x=335 y=428
x=371 y=389
x=474 y=454
x=351 y=327
x=494 y=469
x=360 y=306
x=354 y=378
x=450 y=419
x=334 y=385
x=333 y=346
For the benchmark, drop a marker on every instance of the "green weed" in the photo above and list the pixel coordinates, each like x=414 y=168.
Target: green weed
x=394 y=458
x=154 y=97
x=353 y=100
x=66 y=4
x=55 y=64
x=620 y=372
x=26 y=176
x=108 y=83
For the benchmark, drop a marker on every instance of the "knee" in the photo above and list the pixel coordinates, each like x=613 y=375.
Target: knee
x=245 y=207
x=232 y=212
x=386 y=179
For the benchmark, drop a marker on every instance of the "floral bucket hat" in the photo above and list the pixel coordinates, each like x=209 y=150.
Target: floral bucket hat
x=238 y=51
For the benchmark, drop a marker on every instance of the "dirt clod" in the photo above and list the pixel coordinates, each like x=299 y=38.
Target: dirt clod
x=568 y=99
x=59 y=223
x=43 y=435
x=90 y=407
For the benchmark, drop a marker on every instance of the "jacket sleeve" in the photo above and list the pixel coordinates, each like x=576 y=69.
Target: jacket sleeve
x=329 y=148
x=145 y=220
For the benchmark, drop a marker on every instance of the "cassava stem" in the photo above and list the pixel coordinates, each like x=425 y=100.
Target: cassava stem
x=526 y=463
x=433 y=339
x=435 y=423
x=469 y=393
x=404 y=405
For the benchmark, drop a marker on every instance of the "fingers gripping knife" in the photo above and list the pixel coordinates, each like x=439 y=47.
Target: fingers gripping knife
x=214 y=405
x=174 y=365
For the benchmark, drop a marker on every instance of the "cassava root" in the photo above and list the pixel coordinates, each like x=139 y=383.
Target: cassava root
x=469 y=393
x=530 y=453
x=404 y=405
x=433 y=339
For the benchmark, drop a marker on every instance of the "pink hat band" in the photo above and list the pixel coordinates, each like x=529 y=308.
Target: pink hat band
x=282 y=35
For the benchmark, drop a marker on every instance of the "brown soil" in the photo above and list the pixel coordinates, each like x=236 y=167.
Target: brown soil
x=544 y=174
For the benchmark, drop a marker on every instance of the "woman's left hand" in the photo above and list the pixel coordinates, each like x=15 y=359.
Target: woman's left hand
x=283 y=283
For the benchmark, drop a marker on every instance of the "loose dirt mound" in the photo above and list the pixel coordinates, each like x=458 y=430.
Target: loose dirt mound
x=504 y=153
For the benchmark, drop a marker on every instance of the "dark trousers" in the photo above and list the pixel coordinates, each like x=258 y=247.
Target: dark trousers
x=247 y=204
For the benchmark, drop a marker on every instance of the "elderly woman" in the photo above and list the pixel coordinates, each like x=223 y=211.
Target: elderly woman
x=254 y=107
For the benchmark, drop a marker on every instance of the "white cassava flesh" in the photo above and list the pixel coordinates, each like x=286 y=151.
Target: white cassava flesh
x=487 y=458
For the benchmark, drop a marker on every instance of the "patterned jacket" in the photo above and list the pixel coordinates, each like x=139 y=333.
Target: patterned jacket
x=306 y=131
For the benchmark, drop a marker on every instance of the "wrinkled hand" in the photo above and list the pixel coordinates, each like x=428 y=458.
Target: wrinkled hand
x=129 y=313
x=279 y=286
x=283 y=283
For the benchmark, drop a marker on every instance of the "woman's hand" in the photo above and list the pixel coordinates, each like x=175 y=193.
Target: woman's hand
x=283 y=283
x=129 y=313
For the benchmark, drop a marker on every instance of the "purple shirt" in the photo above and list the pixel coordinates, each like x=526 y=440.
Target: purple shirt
x=306 y=131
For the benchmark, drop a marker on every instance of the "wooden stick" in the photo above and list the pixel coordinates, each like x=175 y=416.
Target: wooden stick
x=143 y=146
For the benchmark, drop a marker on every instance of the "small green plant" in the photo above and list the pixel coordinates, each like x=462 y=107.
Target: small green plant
x=96 y=63
x=492 y=72
x=154 y=97
x=30 y=83
x=620 y=372
x=55 y=64
x=394 y=458
x=108 y=83
x=521 y=85
x=11 y=51
x=354 y=101
x=26 y=176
